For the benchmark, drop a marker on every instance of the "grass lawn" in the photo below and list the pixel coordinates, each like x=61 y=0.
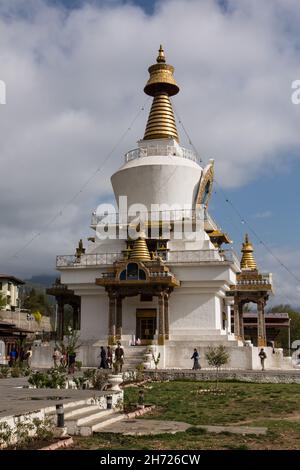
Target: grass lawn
x=275 y=406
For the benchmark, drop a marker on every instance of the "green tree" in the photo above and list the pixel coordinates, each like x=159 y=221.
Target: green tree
x=217 y=357
x=282 y=338
x=71 y=343
x=37 y=302
x=2 y=301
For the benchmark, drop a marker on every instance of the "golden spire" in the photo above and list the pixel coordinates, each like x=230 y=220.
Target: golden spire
x=248 y=261
x=161 y=84
x=140 y=250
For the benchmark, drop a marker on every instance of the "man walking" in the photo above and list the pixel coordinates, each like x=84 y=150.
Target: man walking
x=196 y=358
x=119 y=358
x=103 y=363
x=263 y=357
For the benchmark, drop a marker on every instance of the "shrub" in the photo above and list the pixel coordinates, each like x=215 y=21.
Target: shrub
x=89 y=374
x=217 y=357
x=196 y=431
x=99 y=380
x=43 y=428
x=140 y=372
x=50 y=379
x=79 y=381
x=15 y=371
x=5 y=434
x=4 y=372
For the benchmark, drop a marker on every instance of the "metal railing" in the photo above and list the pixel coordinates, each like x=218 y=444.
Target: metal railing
x=198 y=256
x=266 y=279
x=98 y=259
x=172 y=257
x=162 y=150
x=150 y=217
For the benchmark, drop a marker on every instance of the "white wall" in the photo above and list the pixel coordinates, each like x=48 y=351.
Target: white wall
x=94 y=317
x=11 y=295
x=144 y=181
x=189 y=312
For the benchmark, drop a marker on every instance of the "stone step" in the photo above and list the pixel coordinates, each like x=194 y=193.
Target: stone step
x=77 y=411
x=202 y=341
x=75 y=423
x=69 y=406
x=99 y=423
x=134 y=353
x=134 y=360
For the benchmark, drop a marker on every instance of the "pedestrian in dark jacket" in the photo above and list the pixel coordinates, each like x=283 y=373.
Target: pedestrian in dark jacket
x=263 y=357
x=109 y=357
x=196 y=358
x=103 y=363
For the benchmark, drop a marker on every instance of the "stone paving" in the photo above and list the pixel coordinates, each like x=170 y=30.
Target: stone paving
x=144 y=427
x=15 y=400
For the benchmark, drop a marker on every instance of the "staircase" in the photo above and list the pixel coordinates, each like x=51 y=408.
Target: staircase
x=84 y=419
x=133 y=356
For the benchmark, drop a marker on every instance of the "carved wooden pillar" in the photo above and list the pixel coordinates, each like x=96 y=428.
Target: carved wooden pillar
x=61 y=319
x=112 y=319
x=236 y=319
x=261 y=326
x=76 y=316
x=119 y=318
x=241 y=321
x=166 y=315
x=161 y=319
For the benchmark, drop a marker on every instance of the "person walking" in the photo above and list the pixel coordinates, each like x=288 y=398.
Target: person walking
x=56 y=358
x=196 y=358
x=109 y=357
x=13 y=355
x=28 y=357
x=263 y=357
x=103 y=364
x=63 y=359
x=119 y=358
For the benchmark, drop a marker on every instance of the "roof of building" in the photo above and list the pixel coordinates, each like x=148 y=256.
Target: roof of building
x=12 y=278
x=7 y=328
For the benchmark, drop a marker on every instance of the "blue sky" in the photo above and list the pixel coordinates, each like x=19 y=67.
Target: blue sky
x=147 y=5
x=75 y=80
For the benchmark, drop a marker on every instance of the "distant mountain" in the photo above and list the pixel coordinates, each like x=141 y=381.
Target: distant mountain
x=41 y=281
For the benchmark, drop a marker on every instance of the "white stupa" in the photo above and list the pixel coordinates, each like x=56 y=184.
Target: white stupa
x=166 y=290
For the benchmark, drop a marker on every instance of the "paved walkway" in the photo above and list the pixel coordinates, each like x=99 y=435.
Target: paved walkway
x=14 y=399
x=146 y=427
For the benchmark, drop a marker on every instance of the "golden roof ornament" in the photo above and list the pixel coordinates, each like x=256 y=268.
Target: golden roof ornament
x=161 y=55
x=140 y=250
x=161 y=85
x=248 y=262
x=80 y=250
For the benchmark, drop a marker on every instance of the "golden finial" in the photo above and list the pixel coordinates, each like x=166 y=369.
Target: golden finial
x=161 y=55
x=248 y=262
x=80 y=250
x=140 y=250
x=161 y=85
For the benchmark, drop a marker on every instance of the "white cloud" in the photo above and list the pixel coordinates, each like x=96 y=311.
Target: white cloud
x=286 y=285
x=74 y=82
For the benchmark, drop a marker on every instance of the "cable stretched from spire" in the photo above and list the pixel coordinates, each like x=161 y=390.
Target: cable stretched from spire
x=84 y=185
x=242 y=219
